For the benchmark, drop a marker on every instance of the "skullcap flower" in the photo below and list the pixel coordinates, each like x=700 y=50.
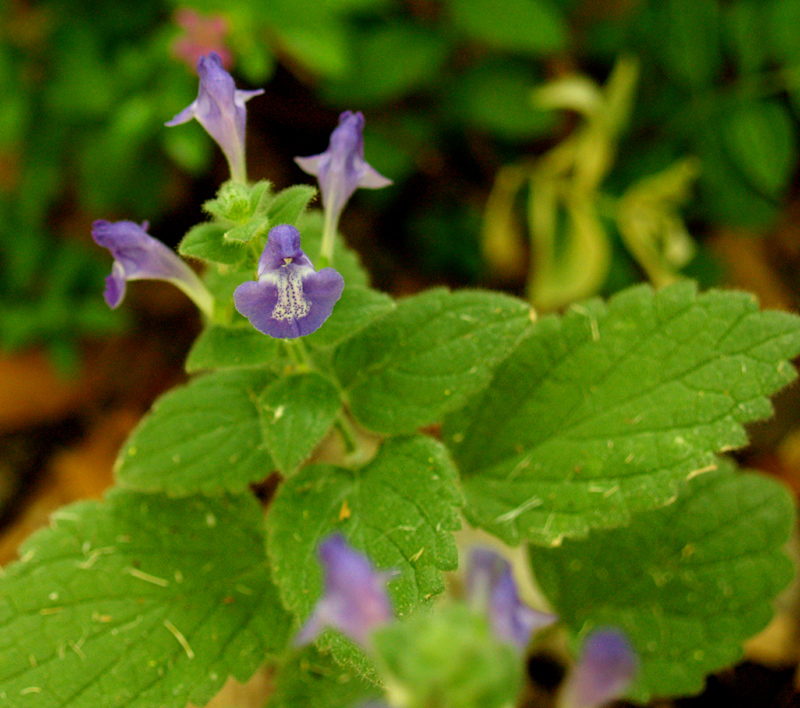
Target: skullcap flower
x=606 y=667
x=341 y=169
x=491 y=588
x=219 y=108
x=354 y=601
x=290 y=299
x=138 y=256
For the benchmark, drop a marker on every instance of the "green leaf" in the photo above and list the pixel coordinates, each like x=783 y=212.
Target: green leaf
x=289 y=204
x=688 y=39
x=202 y=437
x=309 y=31
x=243 y=210
x=687 y=583
x=602 y=412
x=497 y=97
x=246 y=232
x=321 y=47
x=427 y=356
x=136 y=602
x=221 y=347
x=190 y=148
x=760 y=139
x=235 y=202
x=222 y=281
x=725 y=197
x=378 y=76
x=400 y=509
x=357 y=308
x=532 y=26
x=314 y=680
x=783 y=19
x=297 y=412
x=746 y=34
x=207 y=242
x=261 y=197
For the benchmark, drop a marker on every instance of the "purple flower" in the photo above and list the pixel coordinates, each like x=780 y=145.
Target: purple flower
x=355 y=600
x=340 y=170
x=491 y=588
x=605 y=669
x=138 y=256
x=219 y=107
x=290 y=299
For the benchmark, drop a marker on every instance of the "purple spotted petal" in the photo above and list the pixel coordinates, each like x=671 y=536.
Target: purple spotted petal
x=219 y=108
x=341 y=169
x=290 y=299
x=354 y=600
x=138 y=256
x=491 y=588
x=605 y=669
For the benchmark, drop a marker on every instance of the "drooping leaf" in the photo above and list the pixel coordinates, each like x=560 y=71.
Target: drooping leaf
x=602 y=412
x=136 y=602
x=687 y=583
x=296 y=413
x=202 y=437
x=427 y=356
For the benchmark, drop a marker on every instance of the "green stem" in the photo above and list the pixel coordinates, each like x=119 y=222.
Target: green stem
x=291 y=352
x=348 y=433
x=328 y=239
x=238 y=167
x=302 y=351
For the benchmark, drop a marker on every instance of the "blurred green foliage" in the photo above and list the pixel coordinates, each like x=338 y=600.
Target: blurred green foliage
x=448 y=87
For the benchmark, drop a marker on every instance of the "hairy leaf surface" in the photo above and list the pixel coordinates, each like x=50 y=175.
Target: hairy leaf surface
x=202 y=437
x=296 y=413
x=427 y=356
x=138 y=601
x=602 y=412
x=400 y=509
x=687 y=583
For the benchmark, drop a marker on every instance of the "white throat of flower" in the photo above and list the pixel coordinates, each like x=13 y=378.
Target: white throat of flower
x=292 y=303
